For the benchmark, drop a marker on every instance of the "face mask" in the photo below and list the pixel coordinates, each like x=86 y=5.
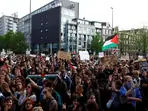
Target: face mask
x=129 y=85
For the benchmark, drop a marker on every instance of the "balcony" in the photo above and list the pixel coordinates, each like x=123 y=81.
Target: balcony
x=10 y=19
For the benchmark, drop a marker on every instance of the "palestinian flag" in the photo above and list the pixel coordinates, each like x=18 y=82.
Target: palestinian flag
x=110 y=42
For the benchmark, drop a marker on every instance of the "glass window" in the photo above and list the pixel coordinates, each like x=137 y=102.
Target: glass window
x=79 y=43
x=46 y=30
x=41 y=37
x=64 y=19
x=41 y=23
x=46 y=22
x=104 y=32
x=41 y=30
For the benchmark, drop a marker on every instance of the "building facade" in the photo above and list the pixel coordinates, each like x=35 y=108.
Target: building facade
x=69 y=10
x=128 y=42
x=80 y=33
x=8 y=23
x=57 y=26
x=46 y=30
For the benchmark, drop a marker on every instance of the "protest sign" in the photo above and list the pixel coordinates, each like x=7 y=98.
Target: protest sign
x=125 y=58
x=84 y=55
x=101 y=54
x=64 y=55
x=27 y=52
x=42 y=54
x=109 y=59
x=47 y=58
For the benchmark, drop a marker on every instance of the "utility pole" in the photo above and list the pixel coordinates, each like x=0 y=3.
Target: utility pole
x=30 y=25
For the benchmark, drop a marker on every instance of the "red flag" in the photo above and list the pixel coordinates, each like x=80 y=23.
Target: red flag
x=42 y=75
x=115 y=39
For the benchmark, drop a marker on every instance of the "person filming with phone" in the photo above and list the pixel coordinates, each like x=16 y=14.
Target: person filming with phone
x=131 y=94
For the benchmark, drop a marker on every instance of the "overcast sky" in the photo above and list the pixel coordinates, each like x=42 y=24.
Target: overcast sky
x=127 y=13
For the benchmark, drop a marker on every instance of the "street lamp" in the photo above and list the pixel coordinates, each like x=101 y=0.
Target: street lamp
x=112 y=18
x=30 y=26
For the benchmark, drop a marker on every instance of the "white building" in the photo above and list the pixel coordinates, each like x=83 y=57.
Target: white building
x=8 y=23
x=80 y=33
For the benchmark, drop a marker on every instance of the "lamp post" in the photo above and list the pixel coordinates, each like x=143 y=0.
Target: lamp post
x=112 y=18
x=30 y=26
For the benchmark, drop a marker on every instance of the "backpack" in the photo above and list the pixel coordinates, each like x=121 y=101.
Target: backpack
x=57 y=98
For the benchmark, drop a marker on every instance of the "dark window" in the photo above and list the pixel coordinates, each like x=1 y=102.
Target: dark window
x=52 y=31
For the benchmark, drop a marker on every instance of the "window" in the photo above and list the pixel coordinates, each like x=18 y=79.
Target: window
x=79 y=43
x=104 y=32
x=46 y=22
x=46 y=37
x=41 y=23
x=46 y=30
x=41 y=30
x=41 y=37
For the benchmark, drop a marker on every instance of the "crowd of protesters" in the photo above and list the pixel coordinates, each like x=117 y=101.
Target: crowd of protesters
x=78 y=86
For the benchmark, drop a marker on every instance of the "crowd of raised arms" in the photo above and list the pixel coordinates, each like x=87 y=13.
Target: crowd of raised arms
x=37 y=84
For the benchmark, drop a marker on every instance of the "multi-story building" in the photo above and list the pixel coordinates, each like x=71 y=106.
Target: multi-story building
x=80 y=32
x=48 y=28
x=128 y=40
x=66 y=10
x=8 y=23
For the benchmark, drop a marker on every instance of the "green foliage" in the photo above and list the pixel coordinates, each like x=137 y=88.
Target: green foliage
x=14 y=41
x=97 y=43
x=121 y=43
x=141 y=41
x=134 y=41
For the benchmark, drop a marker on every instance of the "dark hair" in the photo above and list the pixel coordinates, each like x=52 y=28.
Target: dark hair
x=8 y=98
x=91 y=106
x=49 y=84
x=118 y=84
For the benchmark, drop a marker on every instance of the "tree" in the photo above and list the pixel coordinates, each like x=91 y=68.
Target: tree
x=97 y=43
x=14 y=41
x=141 y=41
x=18 y=43
x=121 y=43
x=116 y=30
x=2 y=42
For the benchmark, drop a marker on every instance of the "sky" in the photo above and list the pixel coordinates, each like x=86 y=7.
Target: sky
x=127 y=14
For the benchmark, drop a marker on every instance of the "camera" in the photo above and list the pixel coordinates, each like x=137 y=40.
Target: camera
x=136 y=81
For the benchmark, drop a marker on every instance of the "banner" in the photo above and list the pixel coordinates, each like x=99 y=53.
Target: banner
x=46 y=76
x=125 y=58
x=84 y=55
x=101 y=54
x=109 y=59
x=64 y=55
